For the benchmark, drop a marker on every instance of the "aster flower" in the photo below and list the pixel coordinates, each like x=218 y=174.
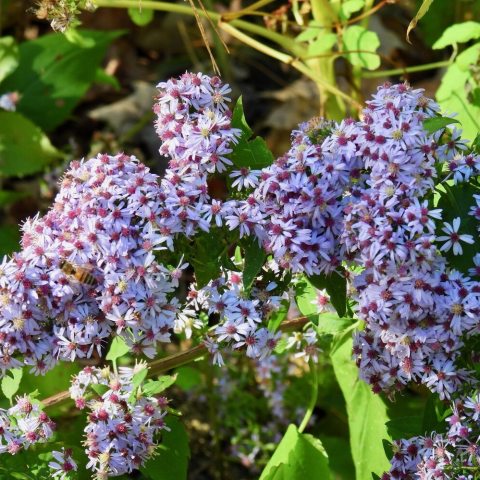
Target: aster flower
x=453 y=238
x=63 y=464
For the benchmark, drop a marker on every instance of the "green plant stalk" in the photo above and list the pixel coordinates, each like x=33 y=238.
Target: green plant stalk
x=357 y=72
x=250 y=10
x=323 y=68
x=401 y=71
x=281 y=40
x=313 y=397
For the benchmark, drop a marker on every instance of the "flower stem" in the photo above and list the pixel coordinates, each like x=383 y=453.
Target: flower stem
x=313 y=398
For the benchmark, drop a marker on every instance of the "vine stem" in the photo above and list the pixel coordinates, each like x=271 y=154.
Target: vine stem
x=165 y=364
x=313 y=397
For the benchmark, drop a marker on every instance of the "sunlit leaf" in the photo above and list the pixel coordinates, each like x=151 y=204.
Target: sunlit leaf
x=153 y=387
x=11 y=382
x=350 y=6
x=141 y=16
x=434 y=124
x=361 y=45
x=118 y=349
x=453 y=93
x=458 y=33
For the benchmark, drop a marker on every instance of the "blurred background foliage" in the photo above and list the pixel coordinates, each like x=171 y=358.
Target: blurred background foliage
x=89 y=89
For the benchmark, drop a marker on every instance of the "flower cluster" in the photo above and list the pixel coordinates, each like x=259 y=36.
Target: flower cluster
x=123 y=423
x=194 y=126
x=23 y=425
x=297 y=208
x=416 y=311
x=88 y=270
x=451 y=455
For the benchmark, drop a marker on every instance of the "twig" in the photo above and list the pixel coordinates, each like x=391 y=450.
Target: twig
x=163 y=365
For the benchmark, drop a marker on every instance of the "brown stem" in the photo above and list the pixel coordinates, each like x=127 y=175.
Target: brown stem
x=163 y=365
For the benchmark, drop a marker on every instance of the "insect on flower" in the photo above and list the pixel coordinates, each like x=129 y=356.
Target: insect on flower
x=81 y=274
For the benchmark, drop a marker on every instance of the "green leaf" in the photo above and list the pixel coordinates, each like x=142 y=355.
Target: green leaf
x=306 y=298
x=367 y=412
x=11 y=384
x=476 y=144
x=350 y=6
x=254 y=258
x=312 y=31
x=253 y=154
x=336 y=286
x=362 y=45
x=458 y=33
x=139 y=377
x=276 y=318
x=9 y=239
x=456 y=201
x=248 y=153
x=99 y=388
x=452 y=95
x=8 y=56
x=137 y=380
x=339 y=457
x=238 y=119
x=24 y=148
x=204 y=256
x=153 y=387
x=54 y=74
x=103 y=78
x=322 y=44
x=421 y=12
x=173 y=454
x=331 y=323
x=405 y=427
x=434 y=415
x=434 y=124
x=75 y=36
x=140 y=16
x=188 y=378
x=298 y=456
x=118 y=349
